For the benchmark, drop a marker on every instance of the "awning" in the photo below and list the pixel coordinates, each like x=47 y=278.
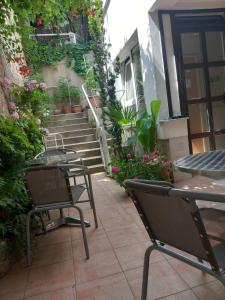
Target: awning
x=186 y=4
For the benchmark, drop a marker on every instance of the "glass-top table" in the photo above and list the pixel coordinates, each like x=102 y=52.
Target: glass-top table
x=209 y=164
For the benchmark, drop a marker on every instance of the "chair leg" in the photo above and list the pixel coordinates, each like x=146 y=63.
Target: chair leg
x=145 y=273
x=92 y=201
x=28 y=236
x=88 y=190
x=42 y=222
x=83 y=231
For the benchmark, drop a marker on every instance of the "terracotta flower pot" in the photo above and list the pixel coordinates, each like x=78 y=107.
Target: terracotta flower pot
x=76 y=108
x=57 y=111
x=67 y=108
x=95 y=100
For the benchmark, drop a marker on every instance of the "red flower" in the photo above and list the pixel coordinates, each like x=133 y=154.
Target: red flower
x=25 y=71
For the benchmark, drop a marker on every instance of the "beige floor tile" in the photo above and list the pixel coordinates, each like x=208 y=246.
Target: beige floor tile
x=114 y=287
x=190 y=275
x=98 y=266
x=132 y=256
x=210 y=291
x=163 y=281
x=50 y=278
x=67 y=293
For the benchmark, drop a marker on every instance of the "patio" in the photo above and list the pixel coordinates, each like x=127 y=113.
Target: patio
x=59 y=270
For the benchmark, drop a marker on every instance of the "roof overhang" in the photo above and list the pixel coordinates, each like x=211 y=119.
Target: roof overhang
x=186 y=4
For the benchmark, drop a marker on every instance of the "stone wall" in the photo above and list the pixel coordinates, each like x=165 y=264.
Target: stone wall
x=11 y=71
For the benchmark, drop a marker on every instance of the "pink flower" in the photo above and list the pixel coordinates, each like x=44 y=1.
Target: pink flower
x=15 y=115
x=6 y=83
x=45 y=131
x=38 y=122
x=115 y=169
x=43 y=86
x=31 y=85
x=11 y=106
x=144 y=158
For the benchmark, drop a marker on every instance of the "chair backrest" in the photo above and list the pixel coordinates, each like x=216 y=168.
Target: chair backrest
x=47 y=185
x=171 y=217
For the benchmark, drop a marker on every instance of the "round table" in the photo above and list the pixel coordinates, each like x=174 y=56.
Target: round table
x=209 y=164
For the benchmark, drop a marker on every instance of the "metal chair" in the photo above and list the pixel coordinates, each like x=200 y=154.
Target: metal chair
x=173 y=222
x=74 y=172
x=49 y=188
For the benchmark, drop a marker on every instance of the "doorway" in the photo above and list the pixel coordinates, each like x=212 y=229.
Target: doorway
x=199 y=42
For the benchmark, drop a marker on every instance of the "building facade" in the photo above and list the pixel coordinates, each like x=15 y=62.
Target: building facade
x=174 y=51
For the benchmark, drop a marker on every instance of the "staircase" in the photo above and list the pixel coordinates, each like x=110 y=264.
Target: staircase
x=79 y=136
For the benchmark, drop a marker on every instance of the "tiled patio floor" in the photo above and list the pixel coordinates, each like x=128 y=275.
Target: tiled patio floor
x=60 y=272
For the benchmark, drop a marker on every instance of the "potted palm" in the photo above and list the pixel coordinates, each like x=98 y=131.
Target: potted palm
x=68 y=96
x=92 y=87
x=75 y=99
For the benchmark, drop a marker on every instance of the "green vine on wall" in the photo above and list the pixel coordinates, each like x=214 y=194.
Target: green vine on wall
x=40 y=55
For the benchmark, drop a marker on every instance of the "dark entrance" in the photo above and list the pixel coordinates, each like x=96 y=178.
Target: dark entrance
x=199 y=43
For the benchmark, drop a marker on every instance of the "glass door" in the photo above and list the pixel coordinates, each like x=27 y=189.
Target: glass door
x=201 y=70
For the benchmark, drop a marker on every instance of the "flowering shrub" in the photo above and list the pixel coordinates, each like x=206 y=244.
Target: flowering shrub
x=149 y=166
x=31 y=98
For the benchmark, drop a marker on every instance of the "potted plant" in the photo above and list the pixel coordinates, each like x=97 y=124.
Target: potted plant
x=75 y=99
x=68 y=96
x=92 y=87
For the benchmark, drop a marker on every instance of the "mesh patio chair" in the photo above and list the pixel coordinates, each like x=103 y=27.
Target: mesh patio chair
x=74 y=172
x=173 y=222
x=49 y=188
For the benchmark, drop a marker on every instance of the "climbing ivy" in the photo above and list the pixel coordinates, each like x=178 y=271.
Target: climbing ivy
x=40 y=55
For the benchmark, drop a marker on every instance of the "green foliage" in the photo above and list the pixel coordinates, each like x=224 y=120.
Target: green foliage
x=39 y=55
x=20 y=140
x=125 y=116
x=147 y=127
x=152 y=167
x=64 y=92
x=26 y=11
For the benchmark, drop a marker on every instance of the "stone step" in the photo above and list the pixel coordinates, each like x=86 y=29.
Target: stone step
x=61 y=129
x=73 y=140
x=81 y=146
x=67 y=116
x=89 y=152
x=67 y=122
x=80 y=132
x=96 y=168
x=90 y=161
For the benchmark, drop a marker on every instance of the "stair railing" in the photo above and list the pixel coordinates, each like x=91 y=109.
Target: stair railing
x=101 y=133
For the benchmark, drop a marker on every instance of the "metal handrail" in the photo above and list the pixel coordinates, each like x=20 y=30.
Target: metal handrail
x=101 y=133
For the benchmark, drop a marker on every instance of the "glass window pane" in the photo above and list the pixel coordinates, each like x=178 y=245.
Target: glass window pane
x=215 y=45
x=195 y=84
x=218 y=108
x=220 y=142
x=217 y=81
x=136 y=60
x=191 y=47
x=198 y=118
x=129 y=83
x=200 y=145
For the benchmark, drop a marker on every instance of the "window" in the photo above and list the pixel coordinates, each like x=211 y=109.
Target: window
x=131 y=74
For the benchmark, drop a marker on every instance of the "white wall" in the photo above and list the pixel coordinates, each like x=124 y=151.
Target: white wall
x=121 y=20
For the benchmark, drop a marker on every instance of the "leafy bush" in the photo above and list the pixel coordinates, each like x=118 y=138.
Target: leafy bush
x=150 y=167
x=20 y=140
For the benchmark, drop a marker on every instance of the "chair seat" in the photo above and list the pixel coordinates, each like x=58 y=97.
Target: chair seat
x=77 y=191
x=214 y=221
